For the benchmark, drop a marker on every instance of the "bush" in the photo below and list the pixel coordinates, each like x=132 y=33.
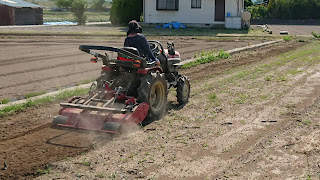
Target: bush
x=258 y=12
x=316 y=35
x=123 y=11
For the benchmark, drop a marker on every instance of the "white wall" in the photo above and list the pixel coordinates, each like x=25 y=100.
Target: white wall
x=186 y=14
x=231 y=7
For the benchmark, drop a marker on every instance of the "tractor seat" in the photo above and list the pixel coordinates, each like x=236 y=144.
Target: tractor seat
x=130 y=49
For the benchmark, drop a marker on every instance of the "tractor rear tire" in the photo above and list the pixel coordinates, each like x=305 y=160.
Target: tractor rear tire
x=153 y=90
x=183 y=90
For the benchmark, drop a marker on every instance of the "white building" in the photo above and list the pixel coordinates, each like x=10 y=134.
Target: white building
x=194 y=12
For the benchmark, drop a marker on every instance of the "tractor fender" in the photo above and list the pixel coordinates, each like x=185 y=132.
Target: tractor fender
x=146 y=70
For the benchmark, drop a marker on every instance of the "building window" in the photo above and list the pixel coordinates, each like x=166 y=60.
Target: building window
x=167 y=4
x=195 y=3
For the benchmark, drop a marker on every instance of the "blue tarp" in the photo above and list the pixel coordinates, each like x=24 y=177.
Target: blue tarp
x=59 y=23
x=175 y=25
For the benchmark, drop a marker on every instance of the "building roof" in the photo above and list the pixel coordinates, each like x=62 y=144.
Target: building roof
x=18 y=3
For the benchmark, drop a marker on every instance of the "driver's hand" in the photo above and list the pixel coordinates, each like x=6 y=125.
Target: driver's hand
x=158 y=62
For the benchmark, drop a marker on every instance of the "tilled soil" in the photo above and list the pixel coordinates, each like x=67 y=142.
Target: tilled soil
x=35 y=64
x=239 y=124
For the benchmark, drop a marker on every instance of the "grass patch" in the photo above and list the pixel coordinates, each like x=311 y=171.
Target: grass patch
x=241 y=99
x=213 y=98
x=37 y=102
x=4 y=101
x=208 y=57
x=287 y=38
x=295 y=71
x=33 y=94
x=282 y=78
x=40 y=172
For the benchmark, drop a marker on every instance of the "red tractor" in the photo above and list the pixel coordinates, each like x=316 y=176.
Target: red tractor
x=128 y=90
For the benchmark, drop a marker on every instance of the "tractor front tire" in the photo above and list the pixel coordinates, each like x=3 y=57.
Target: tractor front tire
x=153 y=90
x=183 y=90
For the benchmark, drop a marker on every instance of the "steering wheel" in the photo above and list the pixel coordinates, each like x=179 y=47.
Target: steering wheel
x=154 y=48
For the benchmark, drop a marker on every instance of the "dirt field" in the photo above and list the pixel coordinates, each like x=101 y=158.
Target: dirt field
x=253 y=116
x=295 y=29
x=34 y=64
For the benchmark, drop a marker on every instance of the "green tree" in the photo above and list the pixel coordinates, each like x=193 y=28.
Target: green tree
x=64 y=4
x=272 y=8
x=123 y=11
x=248 y=3
x=98 y=5
x=258 y=11
x=77 y=7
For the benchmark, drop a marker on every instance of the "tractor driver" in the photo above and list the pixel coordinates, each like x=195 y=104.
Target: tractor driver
x=137 y=40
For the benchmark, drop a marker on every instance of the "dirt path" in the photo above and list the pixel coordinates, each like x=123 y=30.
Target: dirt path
x=35 y=64
x=246 y=116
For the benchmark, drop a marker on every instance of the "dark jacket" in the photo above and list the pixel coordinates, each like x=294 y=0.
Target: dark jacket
x=140 y=42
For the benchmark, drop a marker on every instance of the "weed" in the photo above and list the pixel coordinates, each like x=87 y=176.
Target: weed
x=33 y=94
x=241 y=99
x=142 y=161
x=308 y=166
x=206 y=57
x=183 y=141
x=4 y=101
x=316 y=35
x=85 y=163
x=265 y=96
x=268 y=78
x=113 y=175
x=100 y=175
x=223 y=55
x=243 y=122
x=213 y=97
x=152 y=178
x=295 y=71
x=307 y=122
x=287 y=38
x=205 y=145
x=282 y=78
x=151 y=159
x=40 y=172
x=225 y=150
x=123 y=160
